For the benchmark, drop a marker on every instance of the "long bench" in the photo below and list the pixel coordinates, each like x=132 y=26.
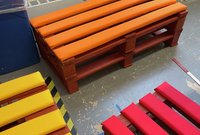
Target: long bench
x=167 y=111
x=27 y=107
x=80 y=40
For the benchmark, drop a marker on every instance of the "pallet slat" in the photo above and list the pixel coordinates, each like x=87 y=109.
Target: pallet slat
x=25 y=107
x=98 y=65
x=84 y=17
x=138 y=117
x=179 y=100
x=87 y=29
x=152 y=42
x=116 y=127
x=31 y=127
x=168 y=116
x=67 y=12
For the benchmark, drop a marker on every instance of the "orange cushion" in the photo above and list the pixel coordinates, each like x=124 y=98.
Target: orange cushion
x=95 y=26
x=87 y=16
x=66 y=12
x=107 y=35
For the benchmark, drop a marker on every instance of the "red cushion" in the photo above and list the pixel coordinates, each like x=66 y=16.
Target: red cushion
x=115 y=127
x=191 y=108
x=168 y=116
x=144 y=123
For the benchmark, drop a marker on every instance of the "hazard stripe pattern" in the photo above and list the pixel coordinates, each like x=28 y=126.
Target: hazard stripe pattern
x=55 y=94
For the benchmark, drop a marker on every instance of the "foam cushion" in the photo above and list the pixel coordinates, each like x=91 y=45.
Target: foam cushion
x=107 y=35
x=115 y=127
x=181 y=101
x=25 y=107
x=20 y=85
x=137 y=117
x=67 y=12
x=42 y=125
x=100 y=24
x=86 y=16
x=168 y=116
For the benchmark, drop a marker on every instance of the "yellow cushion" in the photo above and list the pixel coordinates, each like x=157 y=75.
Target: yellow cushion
x=42 y=125
x=110 y=34
x=66 y=12
x=103 y=23
x=20 y=85
x=25 y=107
x=87 y=16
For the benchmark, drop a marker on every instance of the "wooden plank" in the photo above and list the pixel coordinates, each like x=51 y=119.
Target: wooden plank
x=179 y=100
x=77 y=33
x=67 y=12
x=98 y=51
x=98 y=65
x=152 y=42
x=138 y=117
x=115 y=127
x=168 y=116
x=88 y=16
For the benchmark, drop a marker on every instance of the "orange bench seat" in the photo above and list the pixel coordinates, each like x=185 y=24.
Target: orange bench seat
x=25 y=107
x=86 y=16
x=67 y=12
x=100 y=38
x=84 y=30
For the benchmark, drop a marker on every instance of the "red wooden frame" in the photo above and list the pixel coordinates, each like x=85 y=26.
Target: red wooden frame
x=120 y=50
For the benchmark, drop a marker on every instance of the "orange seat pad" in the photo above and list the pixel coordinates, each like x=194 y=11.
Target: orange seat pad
x=100 y=24
x=107 y=35
x=66 y=12
x=87 y=16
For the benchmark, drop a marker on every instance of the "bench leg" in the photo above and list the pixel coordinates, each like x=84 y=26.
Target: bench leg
x=65 y=70
x=128 y=48
x=176 y=28
x=70 y=76
x=71 y=84
x=127 y=60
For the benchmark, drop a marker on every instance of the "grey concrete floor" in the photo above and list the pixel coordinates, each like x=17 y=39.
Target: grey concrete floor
x=100 y=92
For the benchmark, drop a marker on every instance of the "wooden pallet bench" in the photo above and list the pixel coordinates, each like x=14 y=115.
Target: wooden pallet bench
x=27 y=107
x=167 y=111
x=80 y=40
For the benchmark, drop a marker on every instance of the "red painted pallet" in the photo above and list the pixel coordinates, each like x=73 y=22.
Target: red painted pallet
x=85 y=38
x=167 y=111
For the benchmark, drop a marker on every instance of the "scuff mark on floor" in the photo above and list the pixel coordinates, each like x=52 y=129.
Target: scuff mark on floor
x=83 y=101
x=134 y=77
x=193 y=86
x=94 y=104
x=109 y=110
x=98 y=128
